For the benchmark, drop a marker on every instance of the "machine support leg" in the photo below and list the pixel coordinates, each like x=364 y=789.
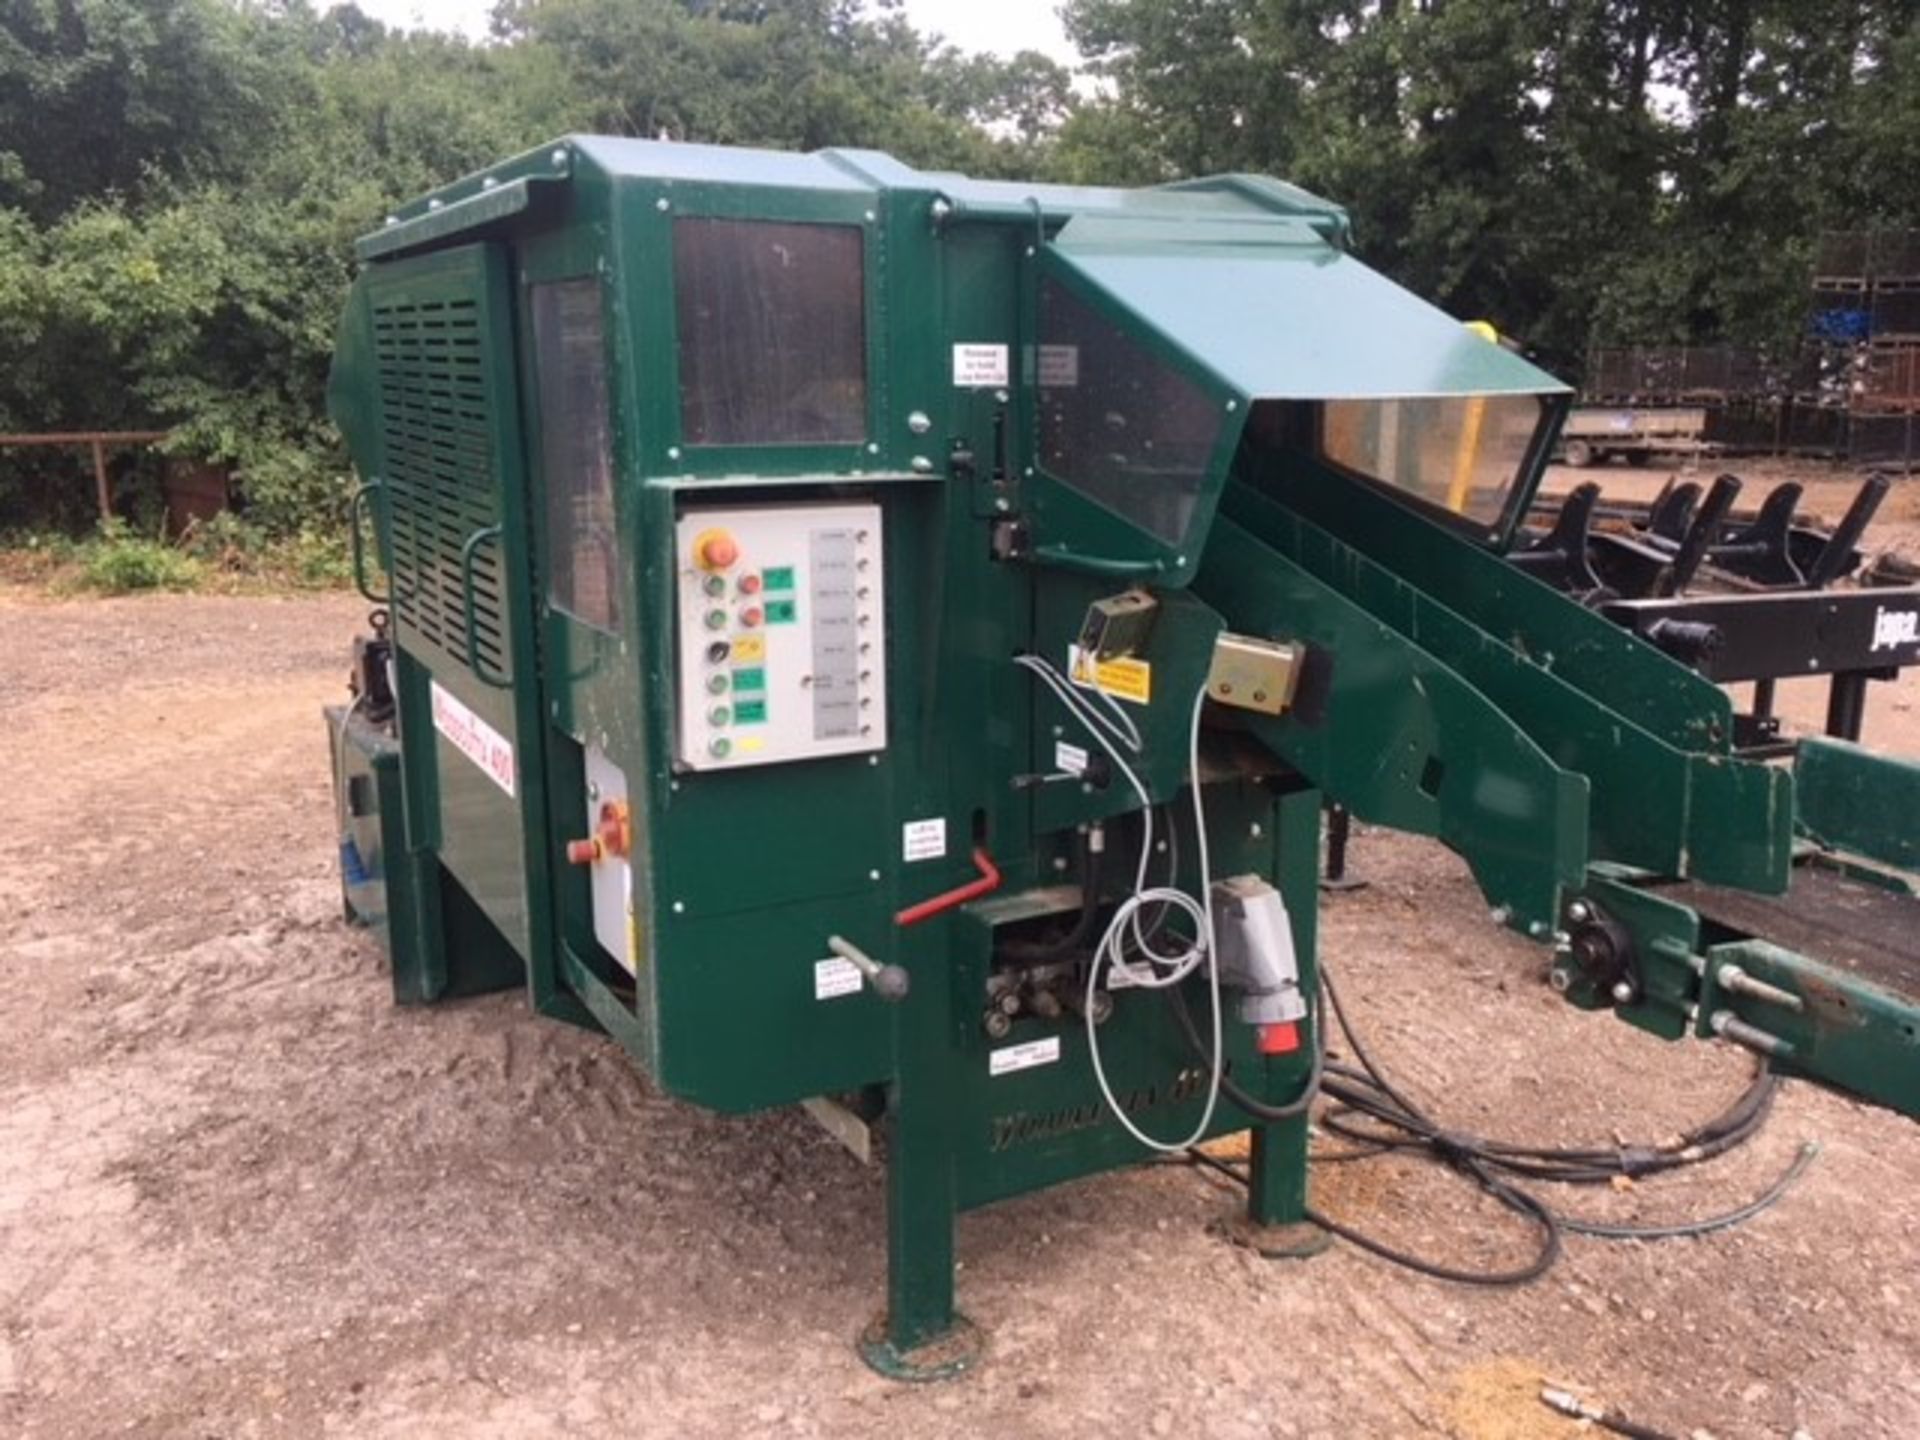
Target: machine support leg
x=919 y=1239
x=1847 y=704
x=920 y=1336
x=1763 y=699
x=1277 y=1188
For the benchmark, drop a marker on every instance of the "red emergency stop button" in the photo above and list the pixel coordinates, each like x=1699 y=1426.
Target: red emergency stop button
x=715 y=550
x=1279 y=1039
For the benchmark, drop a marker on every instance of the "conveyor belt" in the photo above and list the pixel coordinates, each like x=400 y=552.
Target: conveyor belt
x=1871 y=932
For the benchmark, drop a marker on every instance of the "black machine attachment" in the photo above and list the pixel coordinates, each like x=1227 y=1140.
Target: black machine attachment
x=1759 y=596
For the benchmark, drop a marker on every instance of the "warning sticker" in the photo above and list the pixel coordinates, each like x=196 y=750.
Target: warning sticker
x=1009 y=1058
x=473 y=737
x=975 y=366
x=834 y=977
x=1059 y=366
x=1125 y=677
x=923 y=839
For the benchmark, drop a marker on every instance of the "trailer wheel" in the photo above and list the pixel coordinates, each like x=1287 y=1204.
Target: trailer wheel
x=1580 y=454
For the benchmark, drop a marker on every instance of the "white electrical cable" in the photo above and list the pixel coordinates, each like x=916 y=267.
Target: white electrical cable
x=1109 y=953
x=1117 y=723
x=1075 y=701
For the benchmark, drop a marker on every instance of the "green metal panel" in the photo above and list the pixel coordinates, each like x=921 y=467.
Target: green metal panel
x=450 y=467
x=1577 y=646
x=1405 y=741
x=1653 y=805
x=1854 y=800
x=1224 y=294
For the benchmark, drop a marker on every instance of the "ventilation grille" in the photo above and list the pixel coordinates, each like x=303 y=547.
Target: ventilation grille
x=439 y=472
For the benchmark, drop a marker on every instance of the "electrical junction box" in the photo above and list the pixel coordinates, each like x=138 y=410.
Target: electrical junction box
x=782 y=634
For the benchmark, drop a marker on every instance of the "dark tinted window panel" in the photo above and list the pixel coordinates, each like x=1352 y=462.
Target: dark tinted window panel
x=576 y=450
x=773 y=344
x=1116 y=423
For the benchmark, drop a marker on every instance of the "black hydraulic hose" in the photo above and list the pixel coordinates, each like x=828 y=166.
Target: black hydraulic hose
x=1238 y=1093
x=1092 y=872
x=1367 y=1091
x=1764 y=1201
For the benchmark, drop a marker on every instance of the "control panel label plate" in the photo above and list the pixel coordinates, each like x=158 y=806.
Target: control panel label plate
x=978 y=366
x=835 y=977
x=923 y=839
x=1009 y=1058
x=473 y=737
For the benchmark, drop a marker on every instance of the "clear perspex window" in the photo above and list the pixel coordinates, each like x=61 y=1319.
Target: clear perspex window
x=772 y=331
x=1458 y=453
x=1117 y=423
x=576 y=450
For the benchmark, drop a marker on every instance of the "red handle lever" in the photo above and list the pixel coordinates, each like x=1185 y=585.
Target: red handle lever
x=959 y=895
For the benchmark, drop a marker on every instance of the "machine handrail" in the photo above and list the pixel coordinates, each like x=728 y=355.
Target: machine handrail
x=467 y=553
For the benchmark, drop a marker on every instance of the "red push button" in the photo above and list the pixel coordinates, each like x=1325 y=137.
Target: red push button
x=715 y=550
x=751 y=616
x=749 y=584
x=1280 y=1039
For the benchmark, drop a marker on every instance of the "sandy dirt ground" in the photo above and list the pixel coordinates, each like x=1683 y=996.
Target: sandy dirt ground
x=242 y=1195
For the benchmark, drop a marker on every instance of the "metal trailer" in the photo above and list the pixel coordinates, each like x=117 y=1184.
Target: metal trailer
x=881 y=640
x=1595 y=434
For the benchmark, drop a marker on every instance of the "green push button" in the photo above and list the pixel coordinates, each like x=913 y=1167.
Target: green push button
x=778 y=577
x=749 y=712
x=780 y=612
x=750 y=677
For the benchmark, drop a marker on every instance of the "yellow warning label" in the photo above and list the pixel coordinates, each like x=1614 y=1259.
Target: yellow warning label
x=1125 y=677
x=749 y=647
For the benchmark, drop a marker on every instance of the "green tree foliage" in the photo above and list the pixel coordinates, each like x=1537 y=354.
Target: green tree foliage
x=1574 y=170
x=181 y=180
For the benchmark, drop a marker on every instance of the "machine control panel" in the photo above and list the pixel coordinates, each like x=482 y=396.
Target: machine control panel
x=782 y=634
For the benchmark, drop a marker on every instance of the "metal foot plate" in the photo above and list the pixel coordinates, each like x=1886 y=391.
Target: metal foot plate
x=945 y=1357
x=1298 y=1241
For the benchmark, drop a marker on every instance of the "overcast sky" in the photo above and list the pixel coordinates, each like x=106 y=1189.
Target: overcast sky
x=1002 y=26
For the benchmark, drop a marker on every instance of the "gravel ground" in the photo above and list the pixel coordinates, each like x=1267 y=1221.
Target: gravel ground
x=241 y=1195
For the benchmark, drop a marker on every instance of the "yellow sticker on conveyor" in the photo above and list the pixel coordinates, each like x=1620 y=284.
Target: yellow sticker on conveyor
x=1125 y=677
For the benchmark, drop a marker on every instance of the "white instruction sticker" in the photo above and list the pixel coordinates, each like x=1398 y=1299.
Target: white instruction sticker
x=473 y=737
x=979 y=365
x=1069 y=759
x=1059 y=366
x=1009 y=1058
x=923 y=839
x=835 y=977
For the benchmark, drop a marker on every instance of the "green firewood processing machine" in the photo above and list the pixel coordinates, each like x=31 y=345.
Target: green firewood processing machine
x=882 y=640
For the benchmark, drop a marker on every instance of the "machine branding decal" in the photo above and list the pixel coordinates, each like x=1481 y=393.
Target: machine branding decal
x=1021 y=1127
x=1895 y=628
x=977 y=366
x=923 y=839
x=473 y=737
x=1125 y=677
x=1009 y=1058
x=834 y=977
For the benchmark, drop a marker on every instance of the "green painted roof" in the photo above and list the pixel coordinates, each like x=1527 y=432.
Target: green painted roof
x=1247 y=275
x=1278 y=313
